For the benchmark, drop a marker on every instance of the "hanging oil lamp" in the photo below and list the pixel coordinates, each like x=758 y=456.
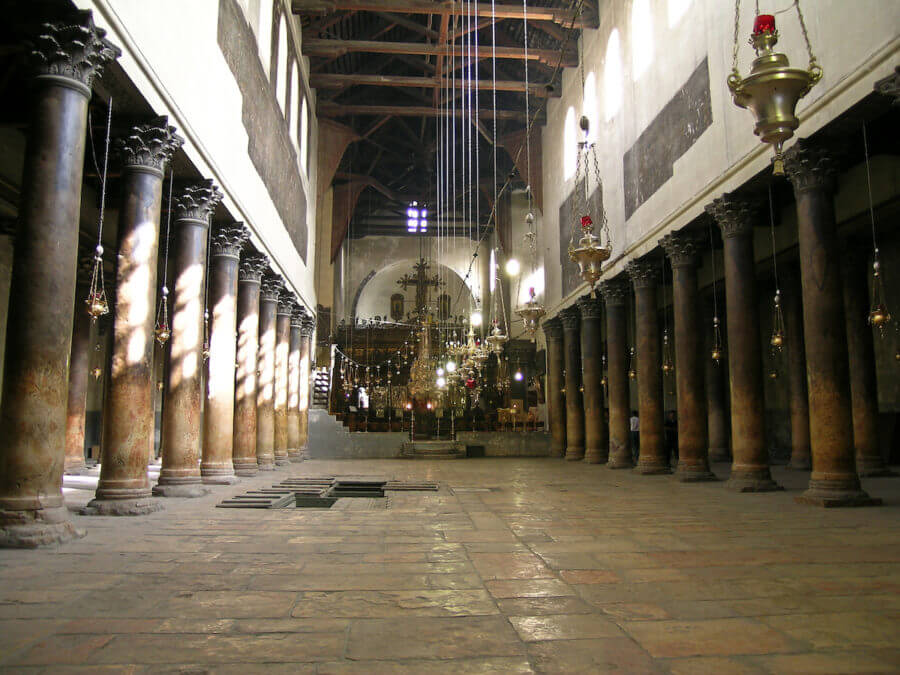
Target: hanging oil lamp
x=667 y=366
x=772 y=89
x=497 y=338
x=603 y=380
x=632 y=373
x=204 y=350
x=96 y=372
x=531 y=312
x=97 y=305
x=162 y=331
x=879 y=316
x=717 y=351
x=776 y=341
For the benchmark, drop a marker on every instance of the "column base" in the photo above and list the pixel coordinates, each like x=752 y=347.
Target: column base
x=267 y=466
x=76 y=470
x=595 y=457
x=246 y=467
x=220 y=479
x=719 y=455
x=246 y=473
x=282 y=461
x=835 y=494
x=759 y=480
x=696 y=473
x=557 y=450
x=801 y=463
x=295 y=457
x=121 y=507
x=574 y=453
x=652 y=467
x=35 y=528
x=186 y=490
x=619 y=458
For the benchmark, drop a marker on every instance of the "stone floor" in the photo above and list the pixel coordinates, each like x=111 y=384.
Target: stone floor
x=514 y=566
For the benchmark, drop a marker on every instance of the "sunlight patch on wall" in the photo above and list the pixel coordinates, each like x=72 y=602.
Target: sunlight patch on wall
x=613 y=76
x=569 y=147
x=641 y=38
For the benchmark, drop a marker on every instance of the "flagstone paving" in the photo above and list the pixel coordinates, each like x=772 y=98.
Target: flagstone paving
x=557 y=568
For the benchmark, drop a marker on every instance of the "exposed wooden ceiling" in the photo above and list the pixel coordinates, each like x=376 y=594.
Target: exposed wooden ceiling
x=387 y=69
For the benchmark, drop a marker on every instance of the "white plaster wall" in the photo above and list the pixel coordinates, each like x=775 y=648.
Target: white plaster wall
x=856 y=44
x=171 y=53
x=375 y=299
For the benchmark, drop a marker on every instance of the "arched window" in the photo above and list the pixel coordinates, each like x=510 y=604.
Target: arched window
x=589 y=106
x=570 y=148
x=264 y=34
x=641 y=38
x=304 y=133
x=294 y=114
x=613 y=76
x=281 y=77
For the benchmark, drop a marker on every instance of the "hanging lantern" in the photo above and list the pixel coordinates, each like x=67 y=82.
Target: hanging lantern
x=717 y=350
x=496 y=339
x=772 y=89
x=97 y=372
x=590 y=252
x=162 y=331
x=531 y=312
x=204 y=350
x=667 y=366
x=97 y=305
x=632 y=373
x=776 y=341
x=879 y=316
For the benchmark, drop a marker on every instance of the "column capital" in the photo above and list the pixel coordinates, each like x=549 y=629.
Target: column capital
x=553 y=328
x=197 y=201
x=286 y=303
x=228 y=240
x=643 y=273
x=734 y=215
x=75 y=50
x=811 y=166
x=681 y=248
x=150 y=145
x=590 y=307
x=252 y=266
x=271 y=287
x=571 y=318
x=309 y=327
x=890 y=86
x=298 y=316
x=615 y=291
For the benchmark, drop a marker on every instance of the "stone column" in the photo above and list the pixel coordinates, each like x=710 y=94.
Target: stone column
x=555 y=395
x=182 y=416
x=796 y=358
x=78 y=372
x=693 y=442
x=596 y=434
x=834 y=481
x=571 y=321
x=286 y=306
x=250 y=273
x=293 y=403
x=216 y=466
x=67 y=57
x=615 y=293
x=271 y=288
x=309 y=327
x=861 y=357
x=653 y=458
x=750 y=463
x=128 y=416
x=716 y=408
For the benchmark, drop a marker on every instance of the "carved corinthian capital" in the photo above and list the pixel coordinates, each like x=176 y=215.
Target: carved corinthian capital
x=590 y=307
x=309 y=326
x=890 y=86
x=734 y=215
x=615 y=291
x=553 y=328
x=228 y=240
x=643 y=273
x=271 y=287
x=252 y=266
x=571 y=318
x=197 y=201
x=298 y=316
x=76 y=50
x=681 y=249
x=286 y=303
x=149 y=145
x=810 y=166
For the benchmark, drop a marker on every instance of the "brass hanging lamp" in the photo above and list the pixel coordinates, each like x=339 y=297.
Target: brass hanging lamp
x=162 y=330
x=879 y=316
x=97 y=304
x=772 y=89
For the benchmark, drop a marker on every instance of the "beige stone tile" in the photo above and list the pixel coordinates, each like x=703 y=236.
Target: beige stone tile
x=826 y=663
x=528 y=588
x=633 y=611
x=18 y=633
x=509 y=566
x=711 y=665
x=106 y=626
x=490 y=666
x=839 y=630
x=411 y=638
x=665 y=639
x=564 y=627
x=540 y=606
x=383 y=604
x=228 y=604
x=591 y=656
x=61 y=649
x=589 y=576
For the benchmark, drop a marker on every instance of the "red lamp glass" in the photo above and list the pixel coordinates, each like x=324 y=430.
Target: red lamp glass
x=765 y=23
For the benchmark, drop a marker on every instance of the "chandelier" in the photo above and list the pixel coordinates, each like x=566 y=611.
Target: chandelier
x=531 y=312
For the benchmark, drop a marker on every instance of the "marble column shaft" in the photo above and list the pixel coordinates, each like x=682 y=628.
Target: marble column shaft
x=252 y=266
x=270 y=290
x=571 y=321
x=796 y=357
x=128 y=415
x=596 y=433
x=286 y=306
x=67 y=56
x=615 y=293
x=653 y=458
x=812 y=171
x=309 y=327
x=555 y=396
x=693 y=441
x=861 y=356
x=78 y=373
x=182 y=412
x=293 y=404
x=216 y=466
x=750 y=462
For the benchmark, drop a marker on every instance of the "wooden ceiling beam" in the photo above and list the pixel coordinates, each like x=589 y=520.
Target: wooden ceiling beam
x=563 y=16
x=330 y=109
x=339 y=81
x=337 y=48
x=408 y=23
